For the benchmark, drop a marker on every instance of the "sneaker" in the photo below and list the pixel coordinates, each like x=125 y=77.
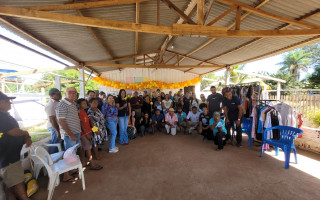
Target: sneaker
x=114 y=150
x=116 y=147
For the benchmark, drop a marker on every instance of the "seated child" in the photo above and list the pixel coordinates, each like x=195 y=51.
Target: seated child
x=219 y=130
x=85 y=138
x=204 y=127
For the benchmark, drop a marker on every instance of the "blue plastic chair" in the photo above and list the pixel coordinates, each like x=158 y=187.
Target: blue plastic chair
x=287 y=135
x=247 y=128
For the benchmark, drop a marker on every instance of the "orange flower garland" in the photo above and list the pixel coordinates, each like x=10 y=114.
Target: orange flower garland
x=145 y=85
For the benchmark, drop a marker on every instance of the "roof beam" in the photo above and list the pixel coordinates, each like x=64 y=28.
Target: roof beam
x=258 y=75
x=35 y=71
x=238 y=18
x=178 y=11
x=215 y=70
x=208 y=10
x=128 y=57
x=188 y=57
x=200 y=12
x=268 y=14
x=282 y=50
x=136 y=49
x=229 y=27
x=102 y=64
x=222 y=16
x=84 y=5
x=185 y=29
x=308 y=15
x=169 y=38
x=83 y=21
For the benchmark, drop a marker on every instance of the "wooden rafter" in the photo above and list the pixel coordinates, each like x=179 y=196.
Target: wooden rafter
x=229 y=27
x=169 y=38
x=84 y=5
x=178 y=11
x=268 y=14
x=188 y=57
x=128 y=57
x=200 y=12
x=158 y=12
x=222 y=15
x=169 y=59
x=282 y=50
x=103 y=64
x=136 y=45
x=282 y=27
x=238 y=18
x=208 y=10
x=215 y=70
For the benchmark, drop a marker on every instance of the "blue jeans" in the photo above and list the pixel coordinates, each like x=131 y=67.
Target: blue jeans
x=123 y=125
x=54 y=140
x=112 y=126
x=70 y=143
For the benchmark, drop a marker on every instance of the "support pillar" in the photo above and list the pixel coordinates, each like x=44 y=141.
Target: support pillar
x=227 y=76
x=82 y=82
x=3 y=87
x=197 y=90
x=57 y=82
x=278 y=91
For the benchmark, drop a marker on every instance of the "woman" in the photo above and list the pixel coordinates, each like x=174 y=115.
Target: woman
x=154 y=97
x=97 y=120
x=163 y=96
x=111 y=114
x=166 y=104
x=158 y=104
x=145 y=124
x=194 y=101
x=146 y=107
x=124 y=111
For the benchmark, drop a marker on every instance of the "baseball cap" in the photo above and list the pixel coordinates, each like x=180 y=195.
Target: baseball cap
x=216 y=113
x=53 y=91
x=3 y=96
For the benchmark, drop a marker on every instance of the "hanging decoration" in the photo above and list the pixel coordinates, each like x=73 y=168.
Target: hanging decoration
x=145 y=85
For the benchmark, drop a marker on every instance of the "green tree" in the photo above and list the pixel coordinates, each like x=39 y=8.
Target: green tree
x=236 y=77
x=289 y=78
x=294 y=62
x=313 y=80
x=205 y=83
x=314 y=50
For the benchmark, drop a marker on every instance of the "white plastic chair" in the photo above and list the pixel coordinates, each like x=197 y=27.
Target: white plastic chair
x=37 y=164
x=55 y=169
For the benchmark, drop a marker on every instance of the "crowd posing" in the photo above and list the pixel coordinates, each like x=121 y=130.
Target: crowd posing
x=96 y=119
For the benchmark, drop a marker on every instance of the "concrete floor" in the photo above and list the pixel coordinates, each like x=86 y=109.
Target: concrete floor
x=183 y=167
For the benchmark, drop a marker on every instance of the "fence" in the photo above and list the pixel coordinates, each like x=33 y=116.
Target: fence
x=303 y=101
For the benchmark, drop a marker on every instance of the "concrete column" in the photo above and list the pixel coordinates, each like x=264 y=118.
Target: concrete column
x=278 y=91
x=227 y=76
x=197 y=90
x=57 y=82
x=3 y=87
x=82 y=83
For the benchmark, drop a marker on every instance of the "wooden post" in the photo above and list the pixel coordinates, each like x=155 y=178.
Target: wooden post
x=278 y=91
x=200 y=12
x=238 y=18
x=158 y=12
x=227 y=76
x=82 y=82
x=57 y=82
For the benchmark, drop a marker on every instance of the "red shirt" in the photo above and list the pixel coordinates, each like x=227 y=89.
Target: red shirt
x=85 y=122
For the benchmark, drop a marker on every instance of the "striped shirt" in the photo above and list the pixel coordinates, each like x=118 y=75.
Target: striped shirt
x=68 y=111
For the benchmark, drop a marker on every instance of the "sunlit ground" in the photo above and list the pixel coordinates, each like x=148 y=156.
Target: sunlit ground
x=305 y=164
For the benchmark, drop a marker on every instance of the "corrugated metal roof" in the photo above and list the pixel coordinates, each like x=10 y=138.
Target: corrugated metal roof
x=78 y=42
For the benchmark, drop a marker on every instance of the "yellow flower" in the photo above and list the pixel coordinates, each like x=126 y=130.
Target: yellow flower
x=125 y=98
x=1 y=135
x=151 y=103
x=95 y=129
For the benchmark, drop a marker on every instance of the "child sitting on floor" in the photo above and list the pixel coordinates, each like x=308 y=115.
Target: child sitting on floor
x=85 y=138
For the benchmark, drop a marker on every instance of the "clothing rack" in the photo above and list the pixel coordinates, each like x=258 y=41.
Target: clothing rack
x=264 y=101
x=243 y=84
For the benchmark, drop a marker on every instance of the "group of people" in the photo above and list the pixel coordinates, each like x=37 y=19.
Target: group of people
x=93 y=120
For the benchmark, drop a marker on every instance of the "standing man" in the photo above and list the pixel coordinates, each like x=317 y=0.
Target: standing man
x=70 y=128
x=233 y=110
x=214 y=101
x=52 y=125
x=187 y=103
x=136 y=103
x=12 y=139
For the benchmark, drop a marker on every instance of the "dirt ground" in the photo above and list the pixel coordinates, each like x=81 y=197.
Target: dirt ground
x=184 y=167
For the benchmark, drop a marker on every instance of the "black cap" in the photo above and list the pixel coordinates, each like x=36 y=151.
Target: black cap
x=53 y=91
x=3 y=96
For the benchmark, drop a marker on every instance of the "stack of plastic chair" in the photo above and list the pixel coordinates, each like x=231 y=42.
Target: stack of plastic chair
x=55 y=169
x=287 y=135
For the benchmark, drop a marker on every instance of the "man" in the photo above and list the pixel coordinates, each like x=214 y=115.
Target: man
x=90 y=95
x=101 y=99
x=193 y=119
x=187 y=103
x=52 y=125
x=182 y=118
x=136 y=103
x=171 y=122
x=219 y=131
x=70 y=128
x=170 y=95
x=145 y=93
x=203 y=102
x=214 y=101
x=204 y=128
x=12 y=139
x=157 y=120
x=233 y=111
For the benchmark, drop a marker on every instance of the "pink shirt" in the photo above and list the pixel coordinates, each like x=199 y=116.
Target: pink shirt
x=172 y=119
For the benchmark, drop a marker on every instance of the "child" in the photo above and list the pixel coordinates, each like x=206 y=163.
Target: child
x=86 y=135
x=131 y=128
x=97 y=120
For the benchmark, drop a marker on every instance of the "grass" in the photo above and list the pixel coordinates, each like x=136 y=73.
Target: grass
x=38 y=137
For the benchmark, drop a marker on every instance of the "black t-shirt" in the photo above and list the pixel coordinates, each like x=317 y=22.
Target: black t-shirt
x=125 y=111
x=10 y=146
x=214 y=102
x=186 y=104
x=232 y=106
x=204 y=119
x=146 y=108
x=145 y=122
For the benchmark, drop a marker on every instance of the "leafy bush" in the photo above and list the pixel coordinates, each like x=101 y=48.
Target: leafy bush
x=315 y=117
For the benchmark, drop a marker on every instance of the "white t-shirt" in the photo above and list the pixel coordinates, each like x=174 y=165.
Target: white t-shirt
x=193 y=117
x=167 y=103
x=50 y=110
